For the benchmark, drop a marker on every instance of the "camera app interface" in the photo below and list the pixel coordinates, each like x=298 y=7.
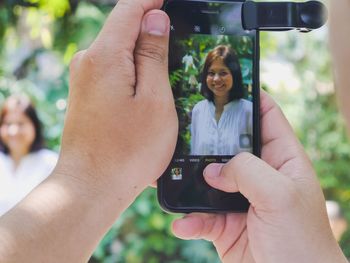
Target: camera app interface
x=211 y=73
x=213 y=90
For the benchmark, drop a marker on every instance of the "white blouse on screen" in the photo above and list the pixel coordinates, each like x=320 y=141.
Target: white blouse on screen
x=31 y=171
x=230 y=136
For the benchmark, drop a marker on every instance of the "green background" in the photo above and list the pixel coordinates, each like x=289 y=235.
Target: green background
x=38 y=39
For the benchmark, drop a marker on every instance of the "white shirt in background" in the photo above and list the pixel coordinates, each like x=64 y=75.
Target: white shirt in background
x=15 y=184
x=230 y=136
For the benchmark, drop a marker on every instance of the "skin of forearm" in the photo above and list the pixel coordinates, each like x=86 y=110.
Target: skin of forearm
x=340 y=47
x=69 y=214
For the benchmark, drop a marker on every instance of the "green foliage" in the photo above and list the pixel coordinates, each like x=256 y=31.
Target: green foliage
x=313 y=111
x=143 y=234
x=38 y=39
x=55 y=8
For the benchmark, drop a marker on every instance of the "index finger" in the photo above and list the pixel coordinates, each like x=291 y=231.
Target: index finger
x=122 y=27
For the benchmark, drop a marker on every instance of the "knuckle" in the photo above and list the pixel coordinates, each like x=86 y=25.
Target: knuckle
x=151 y=51
x=90 y=58
x=99 y=56
x=101 y=64
x=77 y=57
x=74 y=65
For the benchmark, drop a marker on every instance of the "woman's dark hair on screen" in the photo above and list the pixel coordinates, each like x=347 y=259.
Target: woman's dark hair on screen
x=230 y=59
x=25 y=105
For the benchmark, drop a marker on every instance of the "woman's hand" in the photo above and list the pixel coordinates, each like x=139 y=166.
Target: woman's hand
x=121 y=124
x=287 y=220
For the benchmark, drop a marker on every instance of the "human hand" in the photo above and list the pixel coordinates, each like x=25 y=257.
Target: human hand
x=119 y=136
x=121 y=125
x=287 y=220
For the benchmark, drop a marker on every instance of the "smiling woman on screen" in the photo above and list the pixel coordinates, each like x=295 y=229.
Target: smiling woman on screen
x=222 y=123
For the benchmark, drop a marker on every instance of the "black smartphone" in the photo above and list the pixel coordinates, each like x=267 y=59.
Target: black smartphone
x=214 y=74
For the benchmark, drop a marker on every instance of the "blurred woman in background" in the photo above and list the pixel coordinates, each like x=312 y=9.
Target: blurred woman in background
x=24 y=163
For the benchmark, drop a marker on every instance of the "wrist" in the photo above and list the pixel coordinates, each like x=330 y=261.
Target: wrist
x=113 y=190
x=61 y=204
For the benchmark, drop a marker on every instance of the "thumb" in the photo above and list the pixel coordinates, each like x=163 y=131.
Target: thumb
x=151 y=53
x=261 y=184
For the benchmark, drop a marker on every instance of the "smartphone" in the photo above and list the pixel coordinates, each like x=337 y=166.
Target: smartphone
x=214 y=74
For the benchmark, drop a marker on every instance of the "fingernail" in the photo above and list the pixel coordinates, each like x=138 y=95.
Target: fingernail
x=156 y=24
x=213 y=170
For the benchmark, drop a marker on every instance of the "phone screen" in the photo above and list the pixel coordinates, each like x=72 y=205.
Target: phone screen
x=213 y=71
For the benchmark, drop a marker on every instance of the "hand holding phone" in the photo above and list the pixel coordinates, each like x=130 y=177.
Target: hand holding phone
x=287 y=221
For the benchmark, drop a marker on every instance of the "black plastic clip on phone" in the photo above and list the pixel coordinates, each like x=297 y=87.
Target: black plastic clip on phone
x=281 y=16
